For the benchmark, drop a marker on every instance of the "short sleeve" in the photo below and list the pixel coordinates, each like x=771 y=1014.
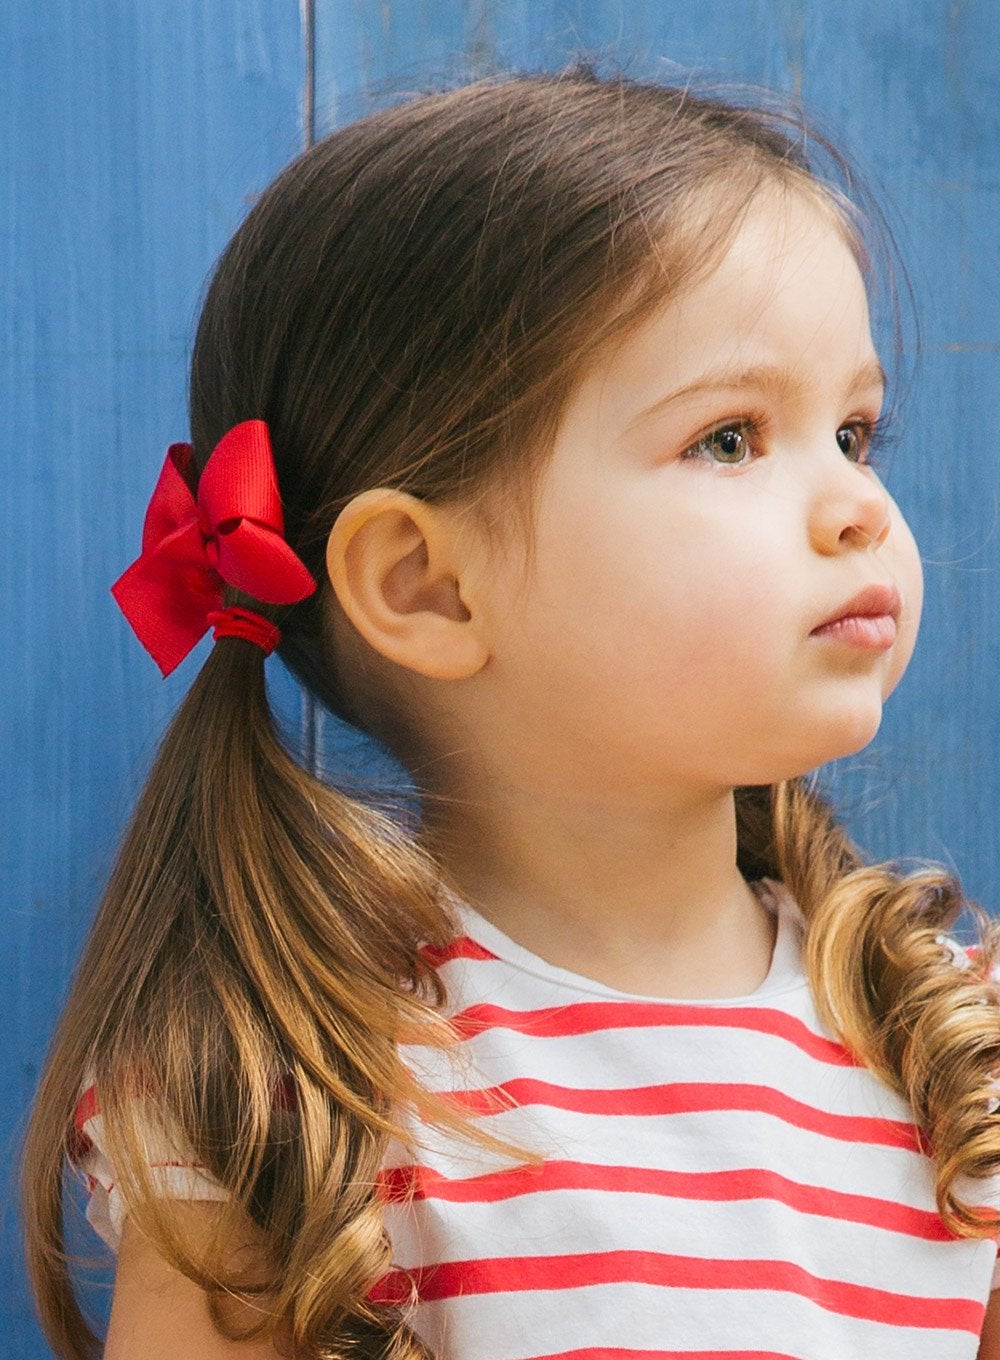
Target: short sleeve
x=964 y=955
x=175 y=1172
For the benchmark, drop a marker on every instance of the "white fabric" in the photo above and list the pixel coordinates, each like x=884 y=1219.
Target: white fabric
x=720 y=1179
x=172 y=1173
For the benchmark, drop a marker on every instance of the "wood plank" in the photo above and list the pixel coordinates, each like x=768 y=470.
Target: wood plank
x=135 y=137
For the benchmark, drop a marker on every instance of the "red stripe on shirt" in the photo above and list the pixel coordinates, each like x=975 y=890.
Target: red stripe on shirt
x=688 y=1098
x=461 y=947
x=79 y=1146
x=587 y=1017
x=400 y=1183
x=515 y=1274
x=86 y=1108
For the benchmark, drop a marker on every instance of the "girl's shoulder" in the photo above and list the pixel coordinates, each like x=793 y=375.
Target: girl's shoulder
x=965 y=955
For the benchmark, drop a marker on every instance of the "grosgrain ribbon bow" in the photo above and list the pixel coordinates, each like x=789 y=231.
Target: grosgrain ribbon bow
x=230 y=532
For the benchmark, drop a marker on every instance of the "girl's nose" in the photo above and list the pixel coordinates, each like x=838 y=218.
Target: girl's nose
x=849 y=510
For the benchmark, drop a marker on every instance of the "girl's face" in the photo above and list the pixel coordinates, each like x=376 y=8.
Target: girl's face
x=708 y=507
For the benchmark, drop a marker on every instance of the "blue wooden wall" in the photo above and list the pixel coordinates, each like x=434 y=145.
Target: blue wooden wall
x=134 y=136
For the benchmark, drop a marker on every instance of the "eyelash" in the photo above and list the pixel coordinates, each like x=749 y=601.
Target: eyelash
x=872 y=434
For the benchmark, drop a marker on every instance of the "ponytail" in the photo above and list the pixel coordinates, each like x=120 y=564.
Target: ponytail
x=886 y=979
x=252 y=969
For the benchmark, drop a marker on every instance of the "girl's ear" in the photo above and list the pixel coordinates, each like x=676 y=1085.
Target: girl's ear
x=394 y=562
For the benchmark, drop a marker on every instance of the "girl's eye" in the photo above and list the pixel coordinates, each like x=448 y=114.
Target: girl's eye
x=728 y=445
x=737 y=443
x=854 y=440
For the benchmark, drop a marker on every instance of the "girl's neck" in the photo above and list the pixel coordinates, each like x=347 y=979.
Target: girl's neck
x=643 y=900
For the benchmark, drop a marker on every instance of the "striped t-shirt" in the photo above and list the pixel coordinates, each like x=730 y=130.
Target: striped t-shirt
x=721 y=1179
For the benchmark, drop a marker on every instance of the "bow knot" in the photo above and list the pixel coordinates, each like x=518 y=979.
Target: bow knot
x=208 y=543
x=231 y=531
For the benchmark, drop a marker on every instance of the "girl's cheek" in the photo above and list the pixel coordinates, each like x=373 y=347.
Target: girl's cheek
x=908 y=573
x=912 y=582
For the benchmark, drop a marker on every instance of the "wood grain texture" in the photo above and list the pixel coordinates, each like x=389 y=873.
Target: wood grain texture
x=134 y=138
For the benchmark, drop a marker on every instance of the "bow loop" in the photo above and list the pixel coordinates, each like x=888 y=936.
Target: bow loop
x=231 y=532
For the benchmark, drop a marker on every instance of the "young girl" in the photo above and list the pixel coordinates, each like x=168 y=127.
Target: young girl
x=533 y=422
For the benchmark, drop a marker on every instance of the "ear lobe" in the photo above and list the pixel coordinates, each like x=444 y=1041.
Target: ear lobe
x=392 y=561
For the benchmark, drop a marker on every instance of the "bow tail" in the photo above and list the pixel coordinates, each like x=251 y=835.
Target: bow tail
x=169 y=622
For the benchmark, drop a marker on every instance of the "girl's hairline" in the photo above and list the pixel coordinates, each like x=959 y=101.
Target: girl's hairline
x=788 y=177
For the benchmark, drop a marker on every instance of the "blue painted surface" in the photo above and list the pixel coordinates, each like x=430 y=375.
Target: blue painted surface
x=135 y=138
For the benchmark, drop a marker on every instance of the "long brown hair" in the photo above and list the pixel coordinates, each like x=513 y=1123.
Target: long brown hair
x=407 y=305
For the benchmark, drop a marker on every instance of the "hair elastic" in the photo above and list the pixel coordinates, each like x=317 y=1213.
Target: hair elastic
x=237 y=621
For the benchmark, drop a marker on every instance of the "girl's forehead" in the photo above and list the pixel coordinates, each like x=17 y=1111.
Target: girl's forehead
x=787 y=280
x=787 y=244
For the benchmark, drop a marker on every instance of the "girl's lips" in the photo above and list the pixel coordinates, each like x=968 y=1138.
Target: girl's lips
x=868 y=620
x=872 y=632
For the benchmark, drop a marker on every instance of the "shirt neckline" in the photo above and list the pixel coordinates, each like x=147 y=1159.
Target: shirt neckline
x=784 y=974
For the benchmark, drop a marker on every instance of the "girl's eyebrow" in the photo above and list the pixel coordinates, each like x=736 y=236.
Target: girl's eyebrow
x=767 y=378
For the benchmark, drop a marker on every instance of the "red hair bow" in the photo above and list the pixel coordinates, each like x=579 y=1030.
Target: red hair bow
x=230 y=532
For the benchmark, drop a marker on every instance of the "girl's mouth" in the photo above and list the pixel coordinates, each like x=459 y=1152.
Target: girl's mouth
x=873 y=632
x=868 y=620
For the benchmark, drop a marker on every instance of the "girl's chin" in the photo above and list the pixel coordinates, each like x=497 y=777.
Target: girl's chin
x=853 y=739
x=857 y=727
x=821 y=745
